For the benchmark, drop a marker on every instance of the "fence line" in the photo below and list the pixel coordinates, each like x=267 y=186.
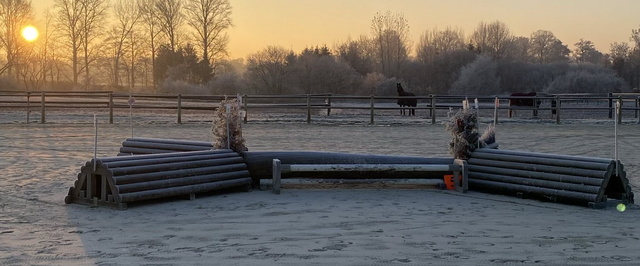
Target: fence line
x=179 y=102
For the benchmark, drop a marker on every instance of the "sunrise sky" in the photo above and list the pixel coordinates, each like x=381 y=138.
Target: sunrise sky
x=298 y=24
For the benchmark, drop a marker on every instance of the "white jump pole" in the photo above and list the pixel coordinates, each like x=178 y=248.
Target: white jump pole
x=616 y=137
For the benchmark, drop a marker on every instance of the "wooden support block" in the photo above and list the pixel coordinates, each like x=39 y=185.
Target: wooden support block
x=464 y=171
x=103 y=192
x=277 y=167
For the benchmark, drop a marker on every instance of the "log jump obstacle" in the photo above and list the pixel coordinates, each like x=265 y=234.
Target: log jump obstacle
x=595 y=182
x=598 y=182
x=259 y=163
x=459 y=168
x=117 y=181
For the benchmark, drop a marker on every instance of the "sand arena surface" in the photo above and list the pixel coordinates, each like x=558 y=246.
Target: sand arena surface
x=38 y=164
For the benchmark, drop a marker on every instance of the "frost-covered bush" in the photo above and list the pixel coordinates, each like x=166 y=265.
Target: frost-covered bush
x=378 y=84
x=234 y=120
x=587 y=78
x=178 y=86
x=478 y=77
x=464 y=134
x=229 y=83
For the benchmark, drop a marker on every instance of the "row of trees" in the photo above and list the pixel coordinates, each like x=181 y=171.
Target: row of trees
x=490 y=60
x=102 y=42
x=181 y=45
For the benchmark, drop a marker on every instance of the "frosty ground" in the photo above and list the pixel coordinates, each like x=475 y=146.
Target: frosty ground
x=340 y=226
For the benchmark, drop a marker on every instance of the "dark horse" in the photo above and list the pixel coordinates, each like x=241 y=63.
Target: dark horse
x=406 y=102
x=525 y=102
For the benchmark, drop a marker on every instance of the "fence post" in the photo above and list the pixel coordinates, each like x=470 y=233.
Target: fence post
x=372 y=103
x=246 y=99
x=28 y=106
x=180 y=108
x=433 y=109
x=610 y=95
x=558 y=103
x=619 y=110
x=42 y=111
x=328 y=102
x=110 y=108
x=308 y=109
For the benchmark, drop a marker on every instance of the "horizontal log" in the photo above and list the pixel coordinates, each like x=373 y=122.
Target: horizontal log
x=535 y=182
x=183 y=181
x=370 y=167
x=548 y=155
x=145 y=177
x=173 y=166
x=184 y=190
x=114 y=165
x=160 y=155
x=165 y=146
x=136 y=151
x=475 y=183
x=536 y=175
x=172 y=141
x=542 y=168
x=540 y=160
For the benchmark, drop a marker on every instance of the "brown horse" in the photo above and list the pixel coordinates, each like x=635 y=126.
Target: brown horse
x=526 y=102
x=406 y=102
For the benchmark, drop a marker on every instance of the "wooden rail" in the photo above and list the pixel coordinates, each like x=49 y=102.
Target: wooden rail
x=308 y=102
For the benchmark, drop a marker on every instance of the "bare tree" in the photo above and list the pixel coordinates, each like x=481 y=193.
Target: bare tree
x=134 y=59
x=152 y=25
x=434 y=42
x=210 y=19
x=14 y=15
x=268 y=69
x=170 y=19
x=127 y=15
x=321 y=73
x=619 y=50
x=492 y=38
x=541 y=45
x=93 y=14
x=393 y=42
x=69 y=16
x=586 y=51
x=80 y=22
x=519 y=50
x=40 y=64
x=357 y=54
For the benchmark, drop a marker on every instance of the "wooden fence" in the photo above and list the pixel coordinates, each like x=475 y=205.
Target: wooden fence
x=33 y=100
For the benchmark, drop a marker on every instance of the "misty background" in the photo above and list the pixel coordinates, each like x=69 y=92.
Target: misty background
x=181 y=46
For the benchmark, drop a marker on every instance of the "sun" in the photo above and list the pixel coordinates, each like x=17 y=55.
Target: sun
x=30 y=33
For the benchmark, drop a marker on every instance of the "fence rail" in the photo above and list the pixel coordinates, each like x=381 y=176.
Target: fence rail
x=33 y=100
